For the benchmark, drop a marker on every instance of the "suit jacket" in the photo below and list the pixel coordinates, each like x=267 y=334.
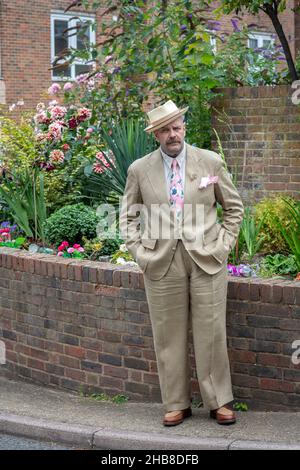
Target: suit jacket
x=146 y=189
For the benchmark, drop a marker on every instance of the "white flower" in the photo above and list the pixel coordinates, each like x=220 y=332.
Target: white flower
x=12 y=107
x=123 y=248
x=20 y=103
x=53 y=103
x=40 y=106
x=121 y=260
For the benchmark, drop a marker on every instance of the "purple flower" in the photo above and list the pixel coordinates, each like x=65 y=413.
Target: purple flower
x=68 y=86
x=54 y=89
x=5 y=224
x=281 y=58
x=183 y=27
x=234 y=23
x=116 y=70
x=214 y=25
x=82 y=77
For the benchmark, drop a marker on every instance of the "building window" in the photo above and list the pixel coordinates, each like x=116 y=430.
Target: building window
x=260 y=40
x=62 y=40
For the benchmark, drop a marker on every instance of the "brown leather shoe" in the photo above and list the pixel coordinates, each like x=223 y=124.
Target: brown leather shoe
x=223 y=418
x=172 y=418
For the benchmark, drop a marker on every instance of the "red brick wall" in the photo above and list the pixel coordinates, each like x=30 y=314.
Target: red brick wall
x=263 y=139
x=25 y=39
x=76 y=324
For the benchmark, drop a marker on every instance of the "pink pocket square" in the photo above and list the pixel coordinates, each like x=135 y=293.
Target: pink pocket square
x=206 y=180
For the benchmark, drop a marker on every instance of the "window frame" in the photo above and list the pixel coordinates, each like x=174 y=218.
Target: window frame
x=260 y=36
x=72 y=41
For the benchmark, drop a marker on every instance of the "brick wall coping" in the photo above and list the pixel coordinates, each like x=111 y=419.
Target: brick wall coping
x=255 y=289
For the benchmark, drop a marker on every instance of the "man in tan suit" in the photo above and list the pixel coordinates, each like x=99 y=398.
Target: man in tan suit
x=169 y=224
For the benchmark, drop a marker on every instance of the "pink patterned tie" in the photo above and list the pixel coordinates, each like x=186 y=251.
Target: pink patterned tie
x=176 y=190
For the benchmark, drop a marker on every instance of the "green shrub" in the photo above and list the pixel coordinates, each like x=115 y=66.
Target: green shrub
x=71 y=223
x=278 y=264
x=110 y=244
x=271 y=208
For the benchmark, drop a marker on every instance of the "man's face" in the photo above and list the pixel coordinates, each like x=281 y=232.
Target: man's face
x=171 y=137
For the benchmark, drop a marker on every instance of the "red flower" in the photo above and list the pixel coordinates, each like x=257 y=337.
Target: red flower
x=63 y=245
x=66 y=147
x=72 y=123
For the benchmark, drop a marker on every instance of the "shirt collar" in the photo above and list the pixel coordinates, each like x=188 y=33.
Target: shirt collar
x=180 y=157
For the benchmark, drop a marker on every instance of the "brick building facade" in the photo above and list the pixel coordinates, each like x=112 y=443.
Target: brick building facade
x=25 y=43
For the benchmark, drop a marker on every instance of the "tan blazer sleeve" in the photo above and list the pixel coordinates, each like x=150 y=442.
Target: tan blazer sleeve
x=231 y=202
x=130 y=212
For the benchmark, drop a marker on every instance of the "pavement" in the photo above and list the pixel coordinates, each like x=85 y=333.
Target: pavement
x=38 y=412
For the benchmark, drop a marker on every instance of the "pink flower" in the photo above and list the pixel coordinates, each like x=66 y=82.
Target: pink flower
x=56 y=156
x=68 y=86
x=76 y=246
x=65 y=243
x=58 y=112
x=83 y=114
x=55 y=130
x=54 y=88
x=206 y=180
x=100 y=156
x=70 y=250
x=97 y=168
x=90 y=130
x=42 y=118
x=81 y=249
x=60 y=253
x=4 y=230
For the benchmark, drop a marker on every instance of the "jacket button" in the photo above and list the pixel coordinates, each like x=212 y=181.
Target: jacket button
x=174 y=248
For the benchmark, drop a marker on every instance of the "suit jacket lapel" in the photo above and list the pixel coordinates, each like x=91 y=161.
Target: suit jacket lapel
x=156 y=176
x=193 y=172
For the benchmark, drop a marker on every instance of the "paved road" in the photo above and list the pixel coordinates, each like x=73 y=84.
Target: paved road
x=8 y=442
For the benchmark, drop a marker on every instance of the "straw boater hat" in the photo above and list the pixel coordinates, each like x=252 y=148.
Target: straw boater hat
x=163 y=115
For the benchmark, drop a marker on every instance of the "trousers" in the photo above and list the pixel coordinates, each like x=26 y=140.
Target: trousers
x=187 y=297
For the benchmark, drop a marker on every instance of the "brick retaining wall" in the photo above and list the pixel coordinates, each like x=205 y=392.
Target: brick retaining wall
x=84 y=326
x=259 y=129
